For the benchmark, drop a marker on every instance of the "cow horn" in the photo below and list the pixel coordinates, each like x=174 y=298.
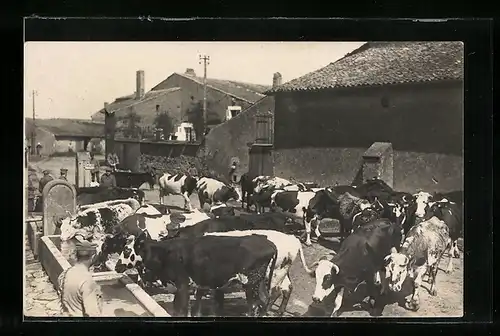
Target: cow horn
x=387 y=257
x=404 y=198
x=393 y=250
x=337 y=270
x=391 y=204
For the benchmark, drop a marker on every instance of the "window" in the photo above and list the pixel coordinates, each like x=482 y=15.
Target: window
x=384 y=102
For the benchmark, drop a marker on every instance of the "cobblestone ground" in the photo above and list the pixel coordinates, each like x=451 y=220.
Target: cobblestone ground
x=40 y=296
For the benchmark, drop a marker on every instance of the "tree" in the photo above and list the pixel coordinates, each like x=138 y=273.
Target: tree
x=164 y=121
x=195 y=116
x=131 y=128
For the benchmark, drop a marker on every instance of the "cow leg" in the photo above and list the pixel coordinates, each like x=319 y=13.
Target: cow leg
x=337 y=302
x=414 y=302
x=455 y=251
x=450 y=250
x=250 y=292
x=316 y=228
x=196 y=309
x=181 y=300
x=161 y=195
x=308 y=232
x=187 y=202
x=286 y=288
x=219 y=302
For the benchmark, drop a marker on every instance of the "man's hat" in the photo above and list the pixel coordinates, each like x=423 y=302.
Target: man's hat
x=46 y=171
x=64 y=170
x=107 y=169
x=84 y=248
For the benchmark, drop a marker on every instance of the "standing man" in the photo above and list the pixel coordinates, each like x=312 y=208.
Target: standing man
x=108 y=180
x=81 y=296
x=44 y=180
x=95 y=170
x=113 y=161
x=39 y=149
x=192 y=171
x=64 y=174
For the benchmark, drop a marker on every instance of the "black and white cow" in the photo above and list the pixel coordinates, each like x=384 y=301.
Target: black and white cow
x=177 y=184
x=262 y=182
x=360 y=259
x=212 y=191
x=92 y=195
x=288 y=248
x=451 y=214
x=295 y=203
x=420 y=253
x=209 y=262
x=96 y=218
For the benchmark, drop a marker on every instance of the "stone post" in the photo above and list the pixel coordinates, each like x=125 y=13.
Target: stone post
x=378 y=162
x=59 y=198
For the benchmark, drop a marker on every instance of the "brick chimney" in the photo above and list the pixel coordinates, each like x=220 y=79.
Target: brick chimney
x=276 y=80
x=190 y=72
x=139 y=91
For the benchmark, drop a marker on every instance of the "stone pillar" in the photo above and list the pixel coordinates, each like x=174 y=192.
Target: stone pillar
x=59 y=198
x=378 y=162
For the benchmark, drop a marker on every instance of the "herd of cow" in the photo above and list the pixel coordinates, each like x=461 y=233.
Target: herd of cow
x=386 y=236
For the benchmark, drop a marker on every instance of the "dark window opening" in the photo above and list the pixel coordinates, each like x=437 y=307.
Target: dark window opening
x=234 y=113
x=157 y=108
x=385 y=102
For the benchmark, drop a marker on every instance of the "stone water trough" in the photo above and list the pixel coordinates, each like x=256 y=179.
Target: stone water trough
x=122 y=297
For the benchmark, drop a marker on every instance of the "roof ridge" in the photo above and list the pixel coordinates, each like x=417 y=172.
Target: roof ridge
x=195 y=79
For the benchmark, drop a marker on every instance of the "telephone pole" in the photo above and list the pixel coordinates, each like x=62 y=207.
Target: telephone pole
x=34 y=93
x=206 y=61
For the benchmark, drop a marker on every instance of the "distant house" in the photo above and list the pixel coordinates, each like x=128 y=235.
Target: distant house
x=409 y=94
x=221 y=94
x=146 y=105
x=63 y=135
x=177 y=95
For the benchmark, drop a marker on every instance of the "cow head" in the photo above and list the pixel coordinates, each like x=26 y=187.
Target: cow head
x=422 y=199
x=436 y=209
x=396 y=213
x=396 y=270
x=325 y=273
x=222 y=210
x=130 y=257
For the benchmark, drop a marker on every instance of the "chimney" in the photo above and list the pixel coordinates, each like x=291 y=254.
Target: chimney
x=106 y=104
x=190 y=72
x=139 y=91
x=276 y=80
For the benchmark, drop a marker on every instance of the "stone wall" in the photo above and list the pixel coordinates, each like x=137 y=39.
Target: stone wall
x=321 y=137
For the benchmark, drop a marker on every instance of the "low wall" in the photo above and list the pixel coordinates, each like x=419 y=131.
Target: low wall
x=54 y=263
x=34 y=232
x=329 y=166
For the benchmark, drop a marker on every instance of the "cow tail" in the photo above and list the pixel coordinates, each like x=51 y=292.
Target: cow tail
x=303 y=259
x=273 y=266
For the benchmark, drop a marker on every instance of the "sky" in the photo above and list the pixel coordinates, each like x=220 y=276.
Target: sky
x=74 y=79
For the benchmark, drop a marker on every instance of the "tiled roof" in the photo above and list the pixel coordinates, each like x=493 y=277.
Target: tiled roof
x=68 y=127
x=129 y=100
x=382 y=63
x=245 y=91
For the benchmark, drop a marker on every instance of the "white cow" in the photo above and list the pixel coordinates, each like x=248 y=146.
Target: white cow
x=421 y=252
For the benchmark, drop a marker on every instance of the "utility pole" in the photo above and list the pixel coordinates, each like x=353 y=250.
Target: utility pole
x=206 y=61
x=34 y=93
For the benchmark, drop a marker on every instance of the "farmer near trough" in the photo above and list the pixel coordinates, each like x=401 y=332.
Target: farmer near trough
x=81 y=296
x=108 y=180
